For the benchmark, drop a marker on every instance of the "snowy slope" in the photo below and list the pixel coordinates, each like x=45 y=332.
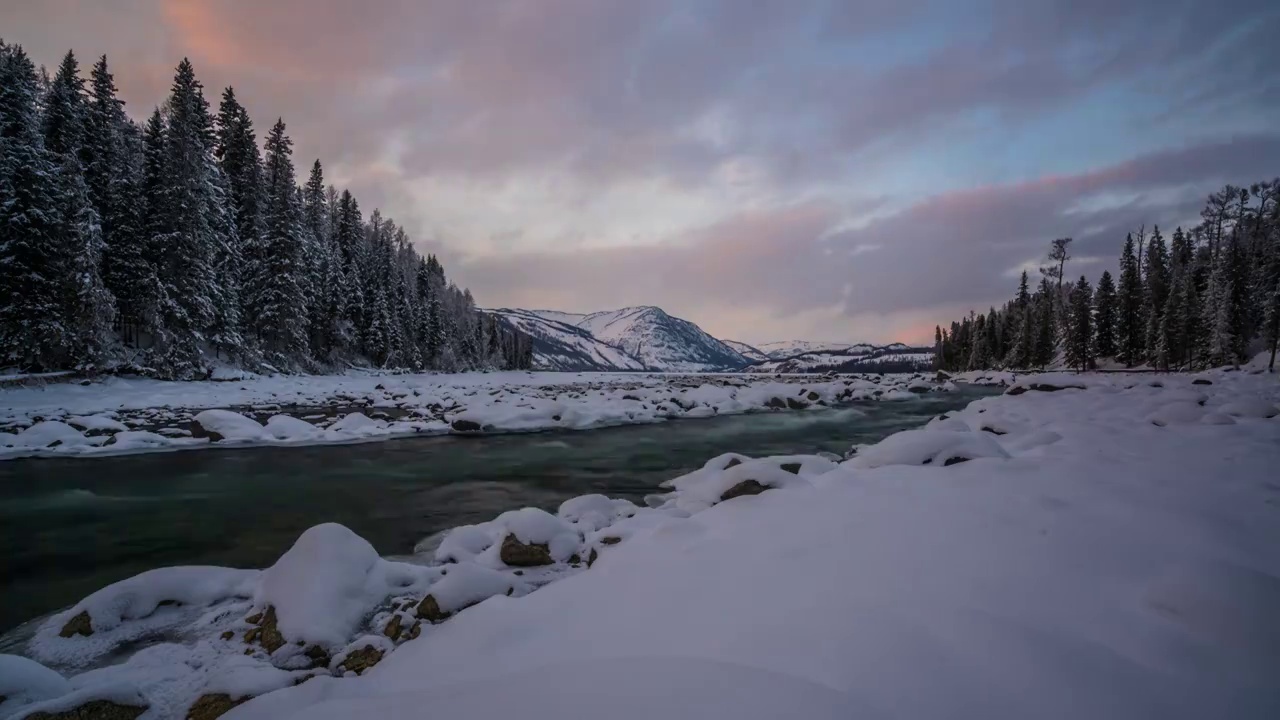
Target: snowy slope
x=749 y=352
x=558 y=344
x=660 y=341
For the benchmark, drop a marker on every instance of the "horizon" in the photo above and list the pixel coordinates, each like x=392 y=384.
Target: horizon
x=784 y=170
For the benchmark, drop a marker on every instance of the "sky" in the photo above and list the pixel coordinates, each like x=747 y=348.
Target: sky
x=770 y=169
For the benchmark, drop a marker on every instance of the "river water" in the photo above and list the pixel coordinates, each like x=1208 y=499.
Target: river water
x=71 y=526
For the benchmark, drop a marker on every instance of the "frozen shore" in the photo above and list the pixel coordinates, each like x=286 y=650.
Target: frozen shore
x=122 y=416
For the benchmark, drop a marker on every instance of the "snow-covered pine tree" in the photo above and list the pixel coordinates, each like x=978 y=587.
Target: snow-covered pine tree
x=1130 y=321
x=1217 y=312
x=276 y=301
x=315 y=211
x=32 y=310
x=189 y=230
x=89 y=310
x=1045 y=339
x=1080 y=341
x=1024 y=340
x=1104 y=301
x=1156 y=274
x=114 y=175
x=240 y=163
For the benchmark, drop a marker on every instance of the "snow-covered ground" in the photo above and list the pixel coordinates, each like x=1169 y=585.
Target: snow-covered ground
x=1100 y=546
x=122 y=415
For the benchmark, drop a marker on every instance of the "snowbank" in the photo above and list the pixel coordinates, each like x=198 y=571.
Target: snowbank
x=1090 y=562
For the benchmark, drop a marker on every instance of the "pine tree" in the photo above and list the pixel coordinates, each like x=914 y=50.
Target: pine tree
x=1080 y=341
x=1025 y=339
x=189 y=231
x=240 y=163
x=1156 y=274
x=1217 y=312
x=32 y=308
x=1104 y=301
x=1043 y=349
x=1130 y=323
x=276 y=301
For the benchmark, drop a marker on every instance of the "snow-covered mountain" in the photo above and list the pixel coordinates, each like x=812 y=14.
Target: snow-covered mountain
x=894 y=357
x=635 y=338
x=560 y=345
x=647 y=338
x=750 y=352
x=783 y=349
x=660 y=341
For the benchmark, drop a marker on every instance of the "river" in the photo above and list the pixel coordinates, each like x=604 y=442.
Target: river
x=71 y=526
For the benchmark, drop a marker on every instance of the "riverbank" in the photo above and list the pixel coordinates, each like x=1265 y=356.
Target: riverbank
x=126 y=416
x=1080 y=546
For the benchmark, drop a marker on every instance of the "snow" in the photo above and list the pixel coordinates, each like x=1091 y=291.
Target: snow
x=1087 y=562
x=24 y=681
x=232 y=426
x=1250 y=407
x=326 y=583
x=40 y=422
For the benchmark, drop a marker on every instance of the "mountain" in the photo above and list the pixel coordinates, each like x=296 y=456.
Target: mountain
x=561 y=345
x=647 y=338
x=894 y=357
x=783 y=349
x=661 y=341
x=635 y=338
x=749 y=352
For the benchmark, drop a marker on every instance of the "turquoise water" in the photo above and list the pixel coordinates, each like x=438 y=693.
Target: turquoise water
x=70 y=527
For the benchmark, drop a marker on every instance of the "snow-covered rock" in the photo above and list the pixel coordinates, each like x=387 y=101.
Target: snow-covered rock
x=24 y=681
x=928 y=446
x=225 y=425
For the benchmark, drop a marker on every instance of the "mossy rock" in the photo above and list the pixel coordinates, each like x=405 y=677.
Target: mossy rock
x=746 y=487
x=93 y=710
x=213 y=705
x=358 y=661
x=429 y=610
x=266 y=633
x=392 y=630
x=517 y=554
x=81 y=624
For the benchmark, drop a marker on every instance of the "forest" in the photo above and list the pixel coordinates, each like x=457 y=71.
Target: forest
x=1209 y=297
x=174 y=246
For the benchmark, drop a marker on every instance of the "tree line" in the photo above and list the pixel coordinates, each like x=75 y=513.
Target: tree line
x=171 y=246
x=1207 y=298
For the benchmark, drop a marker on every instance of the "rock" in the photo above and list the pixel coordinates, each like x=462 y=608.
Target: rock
x=793 y=468
x=213 y=705
x=392 y=630
x=266 y=634
x=776 y=403
x=517 y=554
x=993 y=431
x=319 y=656
x=1201 y=381
x=1015 y=390
x=465 y=426
x=610 y=540
x=430 y=610
x=228 y=635
x=813 y=396
x=918 y=389
x=81 y=624
x=733 y=462
x=93 y=710
x=746 y=487
x=592 y=557
x=1041 y=387
x=954 y=461
x=941 y=376
x=415 y=630
x=795 y=404
x=358 y=661
x=254 y=619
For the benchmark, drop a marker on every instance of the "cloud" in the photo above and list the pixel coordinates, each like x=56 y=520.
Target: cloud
x=852 y=165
